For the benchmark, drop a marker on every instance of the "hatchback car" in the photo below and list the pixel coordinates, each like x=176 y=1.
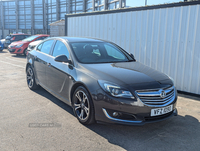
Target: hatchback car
x=33 y=44
x=14 y=37
x=20 y=47
x=101 y=81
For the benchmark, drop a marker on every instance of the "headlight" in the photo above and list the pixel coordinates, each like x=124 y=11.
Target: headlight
x=115 y=90
x=32 y=47
x=18 y=46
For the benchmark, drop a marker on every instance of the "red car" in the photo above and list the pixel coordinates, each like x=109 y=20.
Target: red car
x=20 y=47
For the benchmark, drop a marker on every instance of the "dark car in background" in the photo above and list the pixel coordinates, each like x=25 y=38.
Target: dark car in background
x=101 y=81
x=14 y=37
x=20 y=47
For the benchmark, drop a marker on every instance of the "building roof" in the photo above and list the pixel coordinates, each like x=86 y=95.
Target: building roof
x=57 y=22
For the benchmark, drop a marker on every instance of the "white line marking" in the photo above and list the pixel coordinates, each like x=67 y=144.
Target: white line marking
x=13 y=64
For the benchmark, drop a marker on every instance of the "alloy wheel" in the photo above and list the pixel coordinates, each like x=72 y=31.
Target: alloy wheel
x=81 y=105
x=30 y=78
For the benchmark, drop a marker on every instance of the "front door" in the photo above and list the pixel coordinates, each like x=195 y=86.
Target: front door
x=57 y=73
x=40 y=61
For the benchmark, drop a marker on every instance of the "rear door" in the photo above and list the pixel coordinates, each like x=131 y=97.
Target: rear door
x=58 y=73
x=40 y=61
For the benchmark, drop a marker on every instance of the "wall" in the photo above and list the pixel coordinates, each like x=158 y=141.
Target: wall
x=164 y=38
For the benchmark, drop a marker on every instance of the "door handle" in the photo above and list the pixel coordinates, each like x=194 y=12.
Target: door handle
x=49 y=64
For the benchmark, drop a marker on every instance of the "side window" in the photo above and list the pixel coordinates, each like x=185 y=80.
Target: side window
x=41 y=38
x=46 y=47
x=60 y=49
x=20 y=37
x=114 y=52
x=39 y=47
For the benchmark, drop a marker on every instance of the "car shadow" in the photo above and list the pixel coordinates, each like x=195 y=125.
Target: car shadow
x=56 y=101
x=3 y=51
x=176 y=133
x=18 y=56
x=195 y=97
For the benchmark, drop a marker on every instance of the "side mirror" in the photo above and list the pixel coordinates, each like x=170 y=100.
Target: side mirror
x=132 y=56
x=62 y=58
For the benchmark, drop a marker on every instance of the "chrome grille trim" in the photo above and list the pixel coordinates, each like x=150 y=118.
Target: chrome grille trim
x=153 y=98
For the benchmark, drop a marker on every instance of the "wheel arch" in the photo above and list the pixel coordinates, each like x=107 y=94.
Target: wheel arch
x=75 y=86
x=27 y=65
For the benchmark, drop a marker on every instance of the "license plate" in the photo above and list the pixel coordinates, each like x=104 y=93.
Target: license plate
x=161 y=111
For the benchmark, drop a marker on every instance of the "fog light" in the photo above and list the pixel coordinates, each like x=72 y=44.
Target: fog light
x=115 y=114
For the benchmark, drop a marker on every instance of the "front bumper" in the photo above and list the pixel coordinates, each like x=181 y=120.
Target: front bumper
x=15 y=50
x=140 y=122
x=132 y=112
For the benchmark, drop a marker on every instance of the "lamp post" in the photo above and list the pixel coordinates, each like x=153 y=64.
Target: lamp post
x=1 y=21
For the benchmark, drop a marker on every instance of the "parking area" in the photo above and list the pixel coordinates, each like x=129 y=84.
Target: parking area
x=36 y=120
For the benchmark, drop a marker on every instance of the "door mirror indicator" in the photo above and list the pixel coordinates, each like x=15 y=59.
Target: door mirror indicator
x=62 y=58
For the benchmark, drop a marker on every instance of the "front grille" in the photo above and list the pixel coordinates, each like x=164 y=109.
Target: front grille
x=11 y=50
x=153 y=97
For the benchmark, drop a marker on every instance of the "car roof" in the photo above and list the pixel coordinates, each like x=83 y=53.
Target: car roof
x=80 y=39
x=18 y=34
x=40 y=35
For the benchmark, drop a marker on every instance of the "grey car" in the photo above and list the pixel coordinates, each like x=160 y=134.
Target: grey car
x=101 y=81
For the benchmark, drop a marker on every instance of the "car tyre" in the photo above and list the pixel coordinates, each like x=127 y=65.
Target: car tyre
x=30 y=77
x=83 y=106
x=25 y=52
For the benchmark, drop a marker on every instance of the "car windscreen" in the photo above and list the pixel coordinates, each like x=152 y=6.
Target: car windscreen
x=8 y=37
x=30 y=38
x=99 y=52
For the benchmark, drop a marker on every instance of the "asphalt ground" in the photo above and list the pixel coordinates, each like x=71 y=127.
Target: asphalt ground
x=36 y=120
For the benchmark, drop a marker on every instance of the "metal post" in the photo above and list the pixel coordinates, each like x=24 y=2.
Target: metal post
x=44 y=16
x=57 y=9
x=145 y=2
x=32 y=18
x=120 y=3
x=16 y=14
x=84 y=5
x=93 y=5
x=105 y=4
x=69 y=6
x=2 y=18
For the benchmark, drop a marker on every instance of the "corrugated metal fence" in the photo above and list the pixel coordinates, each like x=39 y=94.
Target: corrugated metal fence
x=166 y=39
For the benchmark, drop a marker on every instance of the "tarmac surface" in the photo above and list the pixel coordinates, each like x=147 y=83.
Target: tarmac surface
x=37 y=121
